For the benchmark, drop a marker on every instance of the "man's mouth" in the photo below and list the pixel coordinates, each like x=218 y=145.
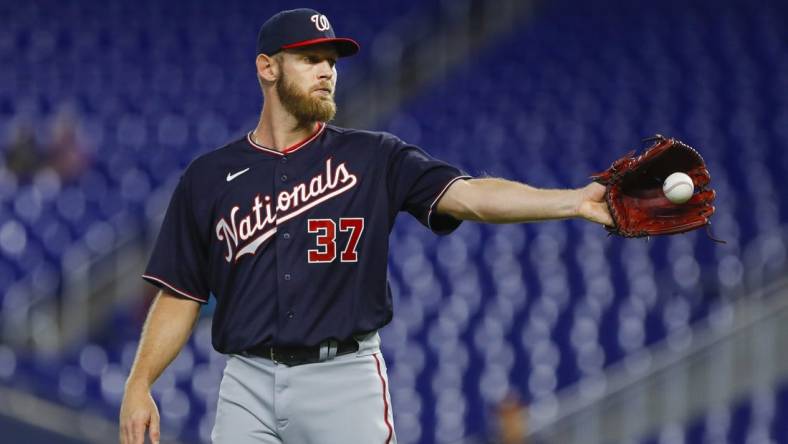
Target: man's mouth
x=324 y=91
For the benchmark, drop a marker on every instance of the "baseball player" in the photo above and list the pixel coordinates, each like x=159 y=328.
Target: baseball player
x=287 y=227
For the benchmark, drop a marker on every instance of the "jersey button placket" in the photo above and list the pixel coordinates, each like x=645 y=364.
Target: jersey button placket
x=283 y=253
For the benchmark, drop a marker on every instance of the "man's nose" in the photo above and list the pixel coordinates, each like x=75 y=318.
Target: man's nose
x=325 y=70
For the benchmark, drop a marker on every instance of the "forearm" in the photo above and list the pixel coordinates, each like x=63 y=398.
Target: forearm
x=502 y=201
x=167 y=328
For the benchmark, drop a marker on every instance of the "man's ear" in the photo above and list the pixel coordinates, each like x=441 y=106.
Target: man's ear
x=267 y=68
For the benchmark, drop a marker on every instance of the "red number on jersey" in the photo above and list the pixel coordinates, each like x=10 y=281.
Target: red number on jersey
x=355 y=225
x=326 y=238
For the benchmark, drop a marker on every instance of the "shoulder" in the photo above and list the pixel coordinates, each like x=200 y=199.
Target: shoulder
x=367 y=138
x=204 y=165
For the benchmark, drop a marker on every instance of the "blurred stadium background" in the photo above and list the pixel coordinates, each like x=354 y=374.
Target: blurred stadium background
x=552 y=331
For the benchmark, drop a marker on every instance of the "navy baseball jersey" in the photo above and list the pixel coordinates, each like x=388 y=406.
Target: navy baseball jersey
x=294 y=244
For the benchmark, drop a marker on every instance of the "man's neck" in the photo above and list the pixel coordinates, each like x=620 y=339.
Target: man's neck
x=277 y=129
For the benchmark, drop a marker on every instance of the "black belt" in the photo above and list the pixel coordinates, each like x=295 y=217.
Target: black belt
x=291 y=356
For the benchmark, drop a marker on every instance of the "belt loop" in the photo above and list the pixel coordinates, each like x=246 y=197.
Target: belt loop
x=324 y=346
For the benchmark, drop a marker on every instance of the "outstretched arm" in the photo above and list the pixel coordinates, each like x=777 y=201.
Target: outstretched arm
x=169 y=324
x=503 y=201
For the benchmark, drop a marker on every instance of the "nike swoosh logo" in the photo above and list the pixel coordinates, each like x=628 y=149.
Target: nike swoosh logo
x=231 y=176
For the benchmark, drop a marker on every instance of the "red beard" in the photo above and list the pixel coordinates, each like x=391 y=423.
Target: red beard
x=304 y=107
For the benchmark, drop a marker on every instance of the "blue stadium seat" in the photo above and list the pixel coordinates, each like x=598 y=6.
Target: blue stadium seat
x=489 y=309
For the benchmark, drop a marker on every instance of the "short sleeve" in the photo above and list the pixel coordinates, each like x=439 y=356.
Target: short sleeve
x=179 y=258
x=417 y=181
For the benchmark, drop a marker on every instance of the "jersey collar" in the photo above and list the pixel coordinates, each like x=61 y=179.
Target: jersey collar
x=290 y=149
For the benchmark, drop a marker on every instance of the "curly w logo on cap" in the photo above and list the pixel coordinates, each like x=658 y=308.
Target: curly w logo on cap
x=321 y=22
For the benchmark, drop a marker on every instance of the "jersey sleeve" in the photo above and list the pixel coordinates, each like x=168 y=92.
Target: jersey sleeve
x=179 y=258
x=416 y=183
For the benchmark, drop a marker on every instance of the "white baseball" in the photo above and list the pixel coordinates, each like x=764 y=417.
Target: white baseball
x=678 y=188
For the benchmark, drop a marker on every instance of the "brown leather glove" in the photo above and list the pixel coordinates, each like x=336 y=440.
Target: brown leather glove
x=634 y=190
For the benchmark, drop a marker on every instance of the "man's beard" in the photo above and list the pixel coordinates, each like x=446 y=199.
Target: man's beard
x=305 y=108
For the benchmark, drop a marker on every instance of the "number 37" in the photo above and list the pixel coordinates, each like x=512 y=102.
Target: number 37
x=326 y=230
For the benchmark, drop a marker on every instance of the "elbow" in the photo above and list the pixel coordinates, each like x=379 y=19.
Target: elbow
x=462 y=211
x=465 y=200
x=476 y=210
x=481 y=212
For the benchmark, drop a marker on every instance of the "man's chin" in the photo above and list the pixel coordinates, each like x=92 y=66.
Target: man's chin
x=306 y=119
x=325 y=111
x=312 y=109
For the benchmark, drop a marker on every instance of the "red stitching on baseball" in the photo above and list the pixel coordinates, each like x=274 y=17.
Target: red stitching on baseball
x=676 y=185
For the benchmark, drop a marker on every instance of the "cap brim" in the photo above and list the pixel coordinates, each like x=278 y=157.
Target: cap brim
x=345 y=47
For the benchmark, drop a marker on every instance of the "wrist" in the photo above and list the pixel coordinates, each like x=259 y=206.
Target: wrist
x=577 y=198
x=135 y=383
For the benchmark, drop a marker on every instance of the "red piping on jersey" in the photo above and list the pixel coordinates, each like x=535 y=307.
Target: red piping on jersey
x=290 y=149
x=385 y=401
x=438 y=197
x=173 y=288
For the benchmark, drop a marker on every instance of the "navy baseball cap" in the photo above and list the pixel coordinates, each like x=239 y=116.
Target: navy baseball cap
x=300 y=27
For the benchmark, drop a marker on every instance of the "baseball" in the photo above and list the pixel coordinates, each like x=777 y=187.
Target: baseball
x=678 y=188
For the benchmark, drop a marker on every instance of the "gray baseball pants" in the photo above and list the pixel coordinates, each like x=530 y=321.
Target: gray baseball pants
x=343 y=400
